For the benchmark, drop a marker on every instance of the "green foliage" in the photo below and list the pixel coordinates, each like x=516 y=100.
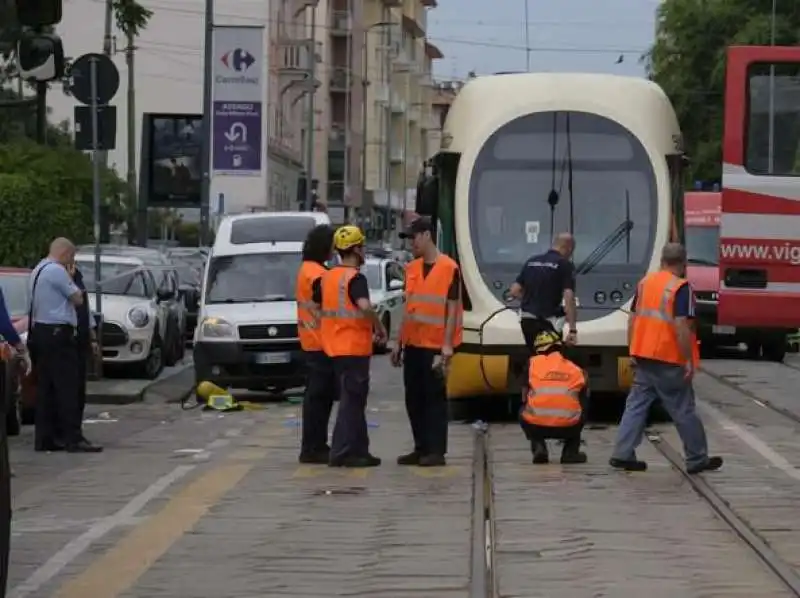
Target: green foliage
x=688 y=61
x=132 y=18
x=45 y=192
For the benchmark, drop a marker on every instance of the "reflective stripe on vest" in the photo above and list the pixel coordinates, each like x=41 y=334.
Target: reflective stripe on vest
x=560 y=391
x=342 y=310
x=662 y=313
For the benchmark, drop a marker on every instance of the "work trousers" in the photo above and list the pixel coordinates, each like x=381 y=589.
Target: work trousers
x=426 y=401
x=55 y=353
x=5 y=496
x=317 y=402
x=350 y=436
x=657 y=380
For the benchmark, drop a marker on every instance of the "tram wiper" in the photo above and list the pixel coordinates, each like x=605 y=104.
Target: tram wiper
x=607 y=245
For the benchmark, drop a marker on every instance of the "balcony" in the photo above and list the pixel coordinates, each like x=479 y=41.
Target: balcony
x=338 y=81
x=399 y=105
x=397 y=155
x=337 y=139
x=431 y=123
x=403 y=63
x=415 y=113
x=381 y=93
x=425 y=79
x=340 y=23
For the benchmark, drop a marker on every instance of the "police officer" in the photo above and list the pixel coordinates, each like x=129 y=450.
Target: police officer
x=663 y=348
x=554 y=401
x=53 y=343
x=320 y=385
x=544 y=282
x=347 y=324
x=431 y=330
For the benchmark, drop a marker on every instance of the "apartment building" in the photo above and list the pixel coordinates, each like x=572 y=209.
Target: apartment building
x=373 y=105
x=442 y=95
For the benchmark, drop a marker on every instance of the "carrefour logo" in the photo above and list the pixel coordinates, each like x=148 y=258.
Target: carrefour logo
x=239 y=60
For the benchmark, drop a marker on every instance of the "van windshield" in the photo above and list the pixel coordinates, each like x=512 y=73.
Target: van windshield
x=271 y=229
x=252 y=277
x=702 y=245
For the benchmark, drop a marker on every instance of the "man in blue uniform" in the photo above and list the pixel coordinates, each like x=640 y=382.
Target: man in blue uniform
x=53 y=342
x=546 y=287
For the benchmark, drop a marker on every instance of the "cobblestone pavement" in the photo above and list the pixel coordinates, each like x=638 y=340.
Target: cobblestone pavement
x=188 y=504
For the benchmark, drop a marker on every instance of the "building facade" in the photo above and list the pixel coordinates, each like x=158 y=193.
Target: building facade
x=373 y=107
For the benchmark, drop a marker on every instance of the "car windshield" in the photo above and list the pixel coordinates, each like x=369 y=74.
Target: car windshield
x=373 y=274
x=188 y=274
x=16 y=293
x=252 y=277
x=115 y=278
x=702 y=245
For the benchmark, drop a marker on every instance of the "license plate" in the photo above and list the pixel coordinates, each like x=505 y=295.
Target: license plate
x=269 y=358
x=723 y=329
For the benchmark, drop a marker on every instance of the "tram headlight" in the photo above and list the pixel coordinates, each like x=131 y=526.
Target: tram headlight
x=599 y=297
x=616 y=296
x=626 y=286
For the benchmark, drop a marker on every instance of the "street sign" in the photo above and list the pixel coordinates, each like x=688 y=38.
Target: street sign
x=106 y=128
x=80 y=85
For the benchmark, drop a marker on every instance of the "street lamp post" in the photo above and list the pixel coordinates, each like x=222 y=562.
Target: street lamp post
x=771 y=124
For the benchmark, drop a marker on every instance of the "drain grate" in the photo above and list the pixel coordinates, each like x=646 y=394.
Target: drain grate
x=346 y=491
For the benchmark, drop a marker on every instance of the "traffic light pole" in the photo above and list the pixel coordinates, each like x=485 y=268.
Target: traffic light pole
x=41 y=112
x=208 y=65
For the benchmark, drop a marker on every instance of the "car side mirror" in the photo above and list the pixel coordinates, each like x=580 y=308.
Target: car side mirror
x=396 y=285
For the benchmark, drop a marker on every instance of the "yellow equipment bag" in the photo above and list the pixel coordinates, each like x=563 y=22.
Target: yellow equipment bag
x=216 y=398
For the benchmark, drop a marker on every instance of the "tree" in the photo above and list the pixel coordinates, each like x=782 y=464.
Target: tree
x=132 y=18
x=688 y=61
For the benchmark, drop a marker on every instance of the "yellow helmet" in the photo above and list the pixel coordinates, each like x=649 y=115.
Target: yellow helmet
x=348 y=236
x=545 y=340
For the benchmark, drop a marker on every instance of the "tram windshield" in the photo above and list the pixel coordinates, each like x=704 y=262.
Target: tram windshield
x=553 y=172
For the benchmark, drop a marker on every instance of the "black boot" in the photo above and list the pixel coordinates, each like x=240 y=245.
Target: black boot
x=540 y=454
x=571 y=453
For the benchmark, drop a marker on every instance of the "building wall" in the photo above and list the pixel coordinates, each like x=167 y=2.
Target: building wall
x=169 y=78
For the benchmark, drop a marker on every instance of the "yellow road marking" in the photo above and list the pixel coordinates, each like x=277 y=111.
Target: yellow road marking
x=124 y=563
x=249 y=454
x=315 y=471
x=309 y=471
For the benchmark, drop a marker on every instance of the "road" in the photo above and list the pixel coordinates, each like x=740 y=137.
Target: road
x=197 y=504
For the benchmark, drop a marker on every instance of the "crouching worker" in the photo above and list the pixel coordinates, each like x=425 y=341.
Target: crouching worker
x=554 y=401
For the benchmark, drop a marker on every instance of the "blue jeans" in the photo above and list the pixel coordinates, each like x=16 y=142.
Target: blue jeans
x=656 y=380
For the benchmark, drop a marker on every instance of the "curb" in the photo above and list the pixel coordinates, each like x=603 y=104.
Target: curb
x=162 y=387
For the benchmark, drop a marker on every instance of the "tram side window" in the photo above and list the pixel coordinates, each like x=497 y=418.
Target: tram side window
x=773 y=121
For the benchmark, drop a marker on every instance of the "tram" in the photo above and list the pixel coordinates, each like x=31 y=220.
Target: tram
x=526 y=156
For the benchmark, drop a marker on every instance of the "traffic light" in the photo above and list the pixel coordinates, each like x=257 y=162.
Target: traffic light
x=40 y=57
x=39 y=13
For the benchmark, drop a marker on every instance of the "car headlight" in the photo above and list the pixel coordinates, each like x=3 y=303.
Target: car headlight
x=217 y=328
x=139 y=317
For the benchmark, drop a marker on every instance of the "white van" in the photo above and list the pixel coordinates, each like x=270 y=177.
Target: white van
x=246 y=335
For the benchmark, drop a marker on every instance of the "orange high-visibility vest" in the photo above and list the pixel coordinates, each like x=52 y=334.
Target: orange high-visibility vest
x=654 y=335
x=425 y=316
x=307 y=324
x=554 y=387
x=345 y=330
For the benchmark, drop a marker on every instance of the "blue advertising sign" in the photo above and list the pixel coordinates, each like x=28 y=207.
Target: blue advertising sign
x=238 y=93
x=237 y=138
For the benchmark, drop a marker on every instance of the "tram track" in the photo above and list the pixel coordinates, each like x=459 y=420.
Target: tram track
x=738 y=525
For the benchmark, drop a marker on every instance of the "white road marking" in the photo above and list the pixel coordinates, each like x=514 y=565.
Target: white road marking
x=126 y=516
x=751 y=440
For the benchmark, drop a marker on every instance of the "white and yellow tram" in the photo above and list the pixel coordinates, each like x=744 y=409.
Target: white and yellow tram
x=525 y=156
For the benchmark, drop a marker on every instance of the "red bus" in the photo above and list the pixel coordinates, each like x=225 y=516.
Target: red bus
x=760 y=221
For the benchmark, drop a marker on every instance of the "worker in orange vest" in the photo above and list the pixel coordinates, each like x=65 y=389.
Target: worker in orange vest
x=431 y=330
x=347 y=324
x=320 y=384
x=663 y=348
x=554 y=400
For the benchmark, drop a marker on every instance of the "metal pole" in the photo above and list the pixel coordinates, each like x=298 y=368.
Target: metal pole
x=312 y=67
x=348 y=106
x=208 y=61
x=365 y=88
x=771 y=124
x=129 y=51
x=527 y=39
x=98 y=297
x=387 y=58
x=107 y=50
x=41 y=112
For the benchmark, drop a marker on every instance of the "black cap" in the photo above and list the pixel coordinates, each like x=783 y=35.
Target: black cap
x=420 y=225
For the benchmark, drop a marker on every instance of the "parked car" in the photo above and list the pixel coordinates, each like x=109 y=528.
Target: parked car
x=138 y=331
x=166 y=279
x=386 y=280
x=19 y=393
